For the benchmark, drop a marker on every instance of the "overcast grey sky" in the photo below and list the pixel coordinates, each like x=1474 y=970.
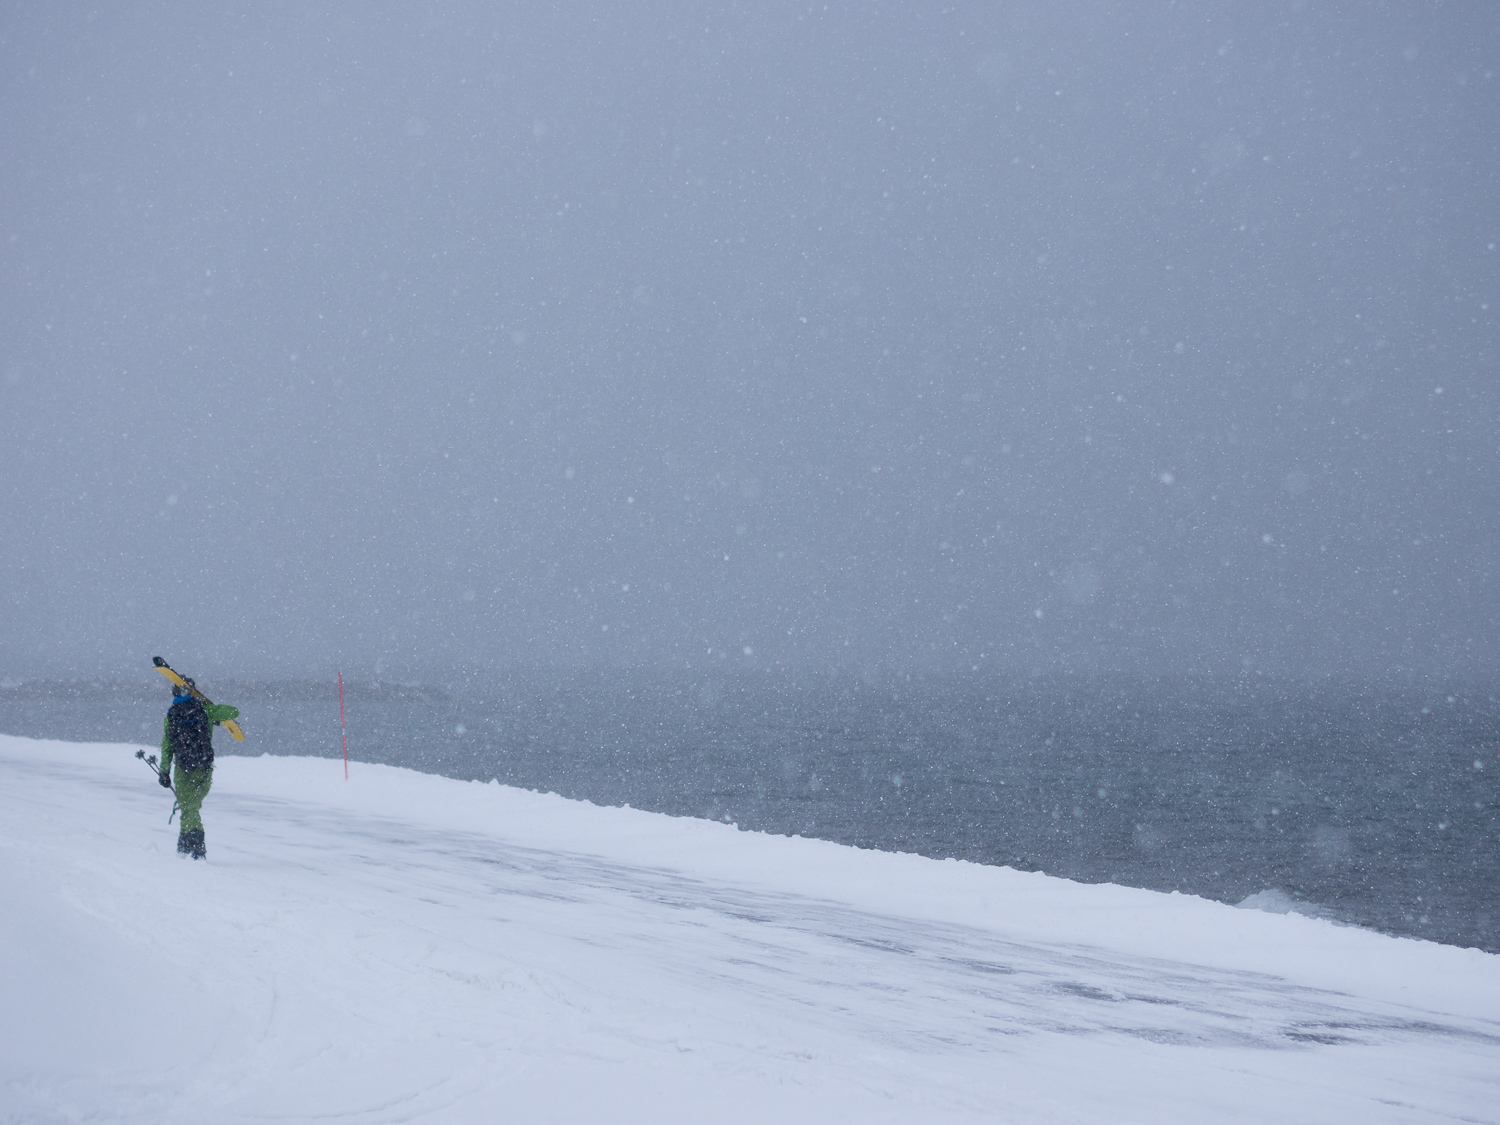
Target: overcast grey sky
x=871 y=336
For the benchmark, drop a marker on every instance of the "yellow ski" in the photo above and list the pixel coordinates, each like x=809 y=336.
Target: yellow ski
x=166 y=670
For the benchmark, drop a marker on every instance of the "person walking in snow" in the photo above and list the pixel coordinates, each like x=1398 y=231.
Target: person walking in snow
x=187 y=758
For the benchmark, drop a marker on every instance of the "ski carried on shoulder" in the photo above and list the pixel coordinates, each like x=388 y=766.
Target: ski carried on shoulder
x=166 y=670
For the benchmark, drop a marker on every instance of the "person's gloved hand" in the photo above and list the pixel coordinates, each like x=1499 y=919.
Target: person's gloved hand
x=165 y=779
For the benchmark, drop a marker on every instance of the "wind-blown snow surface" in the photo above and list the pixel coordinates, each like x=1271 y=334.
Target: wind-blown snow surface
x=401 y=947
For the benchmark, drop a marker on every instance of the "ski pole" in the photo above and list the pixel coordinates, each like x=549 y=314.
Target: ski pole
x=151 y=761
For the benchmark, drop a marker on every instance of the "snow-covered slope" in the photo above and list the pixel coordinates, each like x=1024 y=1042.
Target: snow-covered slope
x=401 y=947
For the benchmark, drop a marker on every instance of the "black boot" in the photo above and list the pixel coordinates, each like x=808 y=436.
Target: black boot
x=193 y=837
x=184 y=843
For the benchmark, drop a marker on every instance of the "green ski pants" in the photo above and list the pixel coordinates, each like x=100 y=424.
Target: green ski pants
x=192 y=787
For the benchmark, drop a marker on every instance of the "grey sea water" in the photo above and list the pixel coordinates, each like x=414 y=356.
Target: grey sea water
x=1372 y=805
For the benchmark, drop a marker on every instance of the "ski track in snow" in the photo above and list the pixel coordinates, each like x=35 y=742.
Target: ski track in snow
x=801 y=951
x=332 y=965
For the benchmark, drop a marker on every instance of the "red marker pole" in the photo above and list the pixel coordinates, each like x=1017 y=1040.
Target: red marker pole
x=342 y=727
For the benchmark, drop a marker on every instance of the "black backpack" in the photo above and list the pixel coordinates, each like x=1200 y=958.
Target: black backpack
x=191 y=734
